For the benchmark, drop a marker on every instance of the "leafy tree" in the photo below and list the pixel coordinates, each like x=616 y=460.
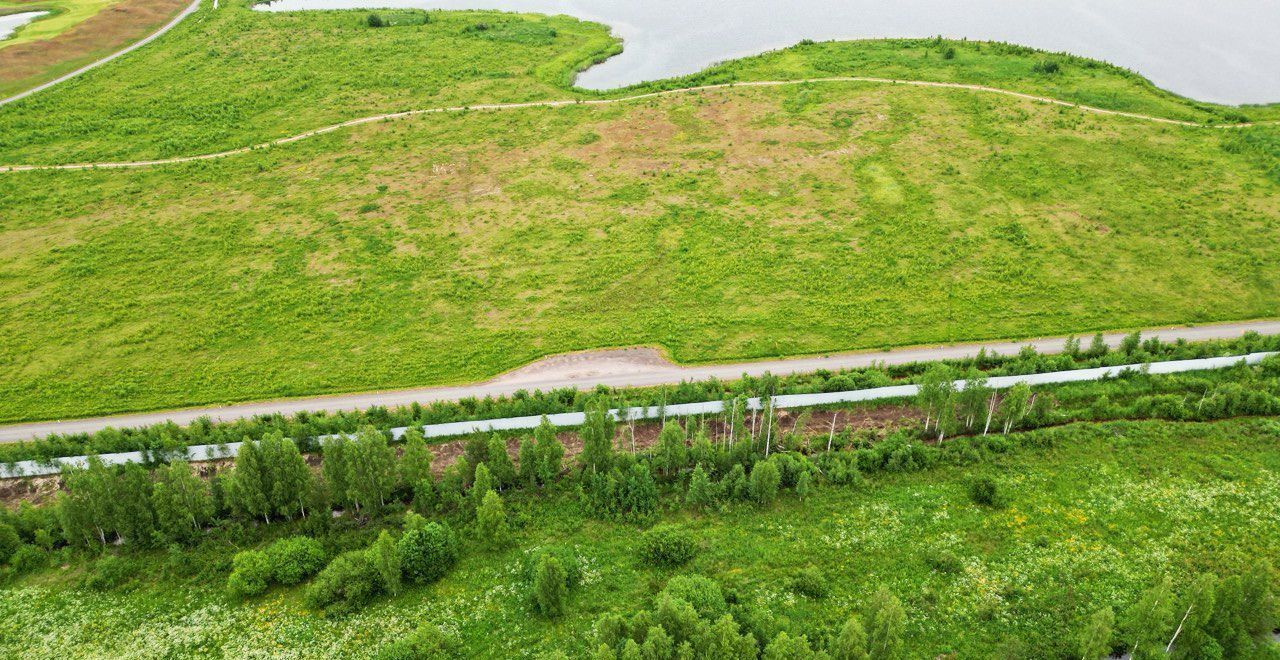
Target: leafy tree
x=415 y=462
x=250 y=574
x=335 y=467
x=550 y=453
x=270 y=477
x=483 y=484
x=804 y=484
x=597 y=439
x=937 y=392
x=851 y=643
x=295 y=559
x=9 y=542
x=786 y=647
x=701 y=492
x=181 y=501
x=1150 y=621
x=491 y=522
x=764 y=483
x=500 y=465
x=724 y=639
x=134 y=519
x=428 y=641
x=293 y=481
x=1098 y=347
x=371 y=474
x=1014 y=406
x=528 y=457
x=1191 y=639
x=550 y=590
x=349 y=581
x=886 y=621
x=734 y=485
x=670 y=454
x=428 y=552
x=1095 y=639
x=665 y=545
x=385 y=557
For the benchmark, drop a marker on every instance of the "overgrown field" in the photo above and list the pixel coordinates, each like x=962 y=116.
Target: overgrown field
x=75 y=33
x=738 y=223
x=1092 y=516
x=731 y=224
x=234 y=77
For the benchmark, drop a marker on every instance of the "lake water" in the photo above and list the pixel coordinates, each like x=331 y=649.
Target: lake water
x=11 y=22
x=1227 y=51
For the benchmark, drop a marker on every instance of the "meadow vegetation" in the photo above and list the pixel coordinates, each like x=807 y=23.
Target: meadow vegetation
x=1072 y=541
x=733 y=224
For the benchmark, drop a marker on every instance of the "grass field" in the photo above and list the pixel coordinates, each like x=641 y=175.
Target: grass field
x=1096 y=513
x=63 y=15
x=730 y=224
x=80 y=33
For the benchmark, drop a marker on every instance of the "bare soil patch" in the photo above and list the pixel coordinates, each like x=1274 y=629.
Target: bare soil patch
x=106 y=31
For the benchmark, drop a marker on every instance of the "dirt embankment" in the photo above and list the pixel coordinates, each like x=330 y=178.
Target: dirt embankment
x=107 y=31
x=40 y=490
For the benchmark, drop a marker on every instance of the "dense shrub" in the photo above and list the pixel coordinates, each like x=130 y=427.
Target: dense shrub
x=665 y=545
x=109 y=572
x=702 y=593
x=428 y=641
x=549 y=586
x=764 y=482
x=428 y=552
x=295 y=559
x=28 y=558
x=944 y=561
x=251 y=574
x=985 y=491
x=810 y=583
x=349 y=581
x=9 y=542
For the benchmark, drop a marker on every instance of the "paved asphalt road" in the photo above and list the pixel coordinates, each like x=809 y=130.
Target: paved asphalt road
x=620 y=368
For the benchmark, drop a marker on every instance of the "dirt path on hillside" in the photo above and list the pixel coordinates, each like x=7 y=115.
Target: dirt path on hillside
x=626 y=99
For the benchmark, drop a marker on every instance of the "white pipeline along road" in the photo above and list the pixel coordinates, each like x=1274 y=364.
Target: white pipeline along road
x=633 y=367
x=492 y=107
x=211 y=452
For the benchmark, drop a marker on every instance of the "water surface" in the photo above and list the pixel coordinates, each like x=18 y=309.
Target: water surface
x=1227 y=51
x=11 y=22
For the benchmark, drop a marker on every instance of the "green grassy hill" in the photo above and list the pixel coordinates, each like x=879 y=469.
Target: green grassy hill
x=735 y=223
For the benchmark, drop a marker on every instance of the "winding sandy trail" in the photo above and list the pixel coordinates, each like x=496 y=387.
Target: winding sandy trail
x=195 y=4
x=625 y=99
x=627 y=367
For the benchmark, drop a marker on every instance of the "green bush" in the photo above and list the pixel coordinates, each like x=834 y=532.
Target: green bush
x=109 y=572
x=764 y=483
x=9 y=542
x=810 y=583
x=349 y=581
x=984 y=491
x=295 y=559
x=251 y=574
x=375 y=21
x=665 y=545
x=28 y=558
x=550 y=587
x=428 y=552
x=944 y=561
x=702 y=593
x=428 y=641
